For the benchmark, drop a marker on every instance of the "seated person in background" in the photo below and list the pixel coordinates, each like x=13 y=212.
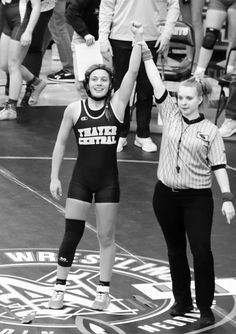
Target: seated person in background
x=228 y=128
x=191 y=12
x=218 y=11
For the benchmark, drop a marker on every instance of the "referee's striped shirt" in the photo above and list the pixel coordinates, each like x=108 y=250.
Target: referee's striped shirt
x=190 y=150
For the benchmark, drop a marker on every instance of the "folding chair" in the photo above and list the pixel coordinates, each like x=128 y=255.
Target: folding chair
x=224 y=82
x=182 y=36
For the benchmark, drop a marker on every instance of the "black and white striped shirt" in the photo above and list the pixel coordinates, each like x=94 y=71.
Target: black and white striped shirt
x=190 y=150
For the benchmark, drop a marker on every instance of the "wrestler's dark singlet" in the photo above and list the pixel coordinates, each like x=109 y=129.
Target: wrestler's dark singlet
x=96 y=170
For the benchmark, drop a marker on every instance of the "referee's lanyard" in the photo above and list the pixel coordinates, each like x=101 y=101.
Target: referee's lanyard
x=178 y=145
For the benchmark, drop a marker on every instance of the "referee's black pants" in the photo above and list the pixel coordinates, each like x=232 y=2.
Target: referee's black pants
x=187 y=213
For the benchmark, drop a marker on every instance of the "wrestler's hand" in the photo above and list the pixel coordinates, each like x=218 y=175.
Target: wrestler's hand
x=228 y=211
x=137 y=30
x=56 y=189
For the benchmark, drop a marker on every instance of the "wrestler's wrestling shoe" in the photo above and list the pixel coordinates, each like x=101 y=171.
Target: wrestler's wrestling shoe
x=102 y=299
x=57 y=299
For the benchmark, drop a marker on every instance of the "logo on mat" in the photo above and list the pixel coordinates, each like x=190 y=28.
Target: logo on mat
x=140 y=295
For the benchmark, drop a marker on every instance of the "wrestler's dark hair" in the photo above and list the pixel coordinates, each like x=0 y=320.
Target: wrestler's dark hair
x=107 y=98
x=93 y=68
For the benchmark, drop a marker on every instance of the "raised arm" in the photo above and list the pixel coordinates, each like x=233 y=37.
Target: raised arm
x=152 y=72
x=59 y=150
x=122 y=96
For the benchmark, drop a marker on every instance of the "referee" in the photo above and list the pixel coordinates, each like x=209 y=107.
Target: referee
x=191 y=149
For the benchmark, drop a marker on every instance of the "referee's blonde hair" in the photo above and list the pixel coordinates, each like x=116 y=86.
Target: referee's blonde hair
x=202 y=86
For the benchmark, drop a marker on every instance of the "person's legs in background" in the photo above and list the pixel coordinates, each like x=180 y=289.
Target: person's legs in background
x=231 y=38
x=214 y=22
x=62 y=33
x=1 y=28
x=186 y=13
x=191 y=12
x=228 y=128
x=11 y=61
x=77 y=39
x=121 y=55
x=144 y=107
x=197 y=22
x=34 y=57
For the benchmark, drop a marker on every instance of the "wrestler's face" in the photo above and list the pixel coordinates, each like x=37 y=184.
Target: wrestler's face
x=189 y=101
x=99 y=83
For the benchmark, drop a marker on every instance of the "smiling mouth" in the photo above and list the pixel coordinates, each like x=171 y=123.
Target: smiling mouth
x=99 y=89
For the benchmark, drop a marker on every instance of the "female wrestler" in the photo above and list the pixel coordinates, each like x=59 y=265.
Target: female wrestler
x=96 y=122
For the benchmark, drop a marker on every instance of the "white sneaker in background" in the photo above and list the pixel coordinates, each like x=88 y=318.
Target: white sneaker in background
x=228 y=128
x=121 y=144
x=146 y=144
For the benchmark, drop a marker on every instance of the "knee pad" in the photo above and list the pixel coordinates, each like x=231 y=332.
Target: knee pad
x=74 y=231
x=210 y=38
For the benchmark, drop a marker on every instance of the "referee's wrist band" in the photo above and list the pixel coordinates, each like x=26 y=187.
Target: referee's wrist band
x=227 y=196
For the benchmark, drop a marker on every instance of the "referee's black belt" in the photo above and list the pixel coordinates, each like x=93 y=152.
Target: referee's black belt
x=185 y=190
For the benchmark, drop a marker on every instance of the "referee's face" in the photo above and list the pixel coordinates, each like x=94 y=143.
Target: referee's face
x=188 y=101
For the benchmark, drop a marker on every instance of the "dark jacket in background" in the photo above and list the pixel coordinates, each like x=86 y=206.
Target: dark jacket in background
x=82 y=15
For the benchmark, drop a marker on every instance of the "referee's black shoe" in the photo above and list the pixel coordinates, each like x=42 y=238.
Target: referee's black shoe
x=180 y=309
x=207 y=318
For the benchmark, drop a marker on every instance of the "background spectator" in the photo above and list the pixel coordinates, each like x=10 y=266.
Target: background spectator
x=14 y=44
x=228 y=128
x=82 y=15
x=191 y=12
x=61 y=33
x=116 y=40
x=34 y=57
x=217 y=13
